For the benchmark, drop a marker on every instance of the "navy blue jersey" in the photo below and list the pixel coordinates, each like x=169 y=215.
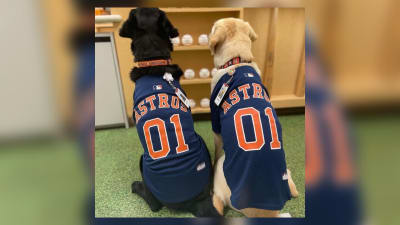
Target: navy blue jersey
x=254 y=166
x=176 y=164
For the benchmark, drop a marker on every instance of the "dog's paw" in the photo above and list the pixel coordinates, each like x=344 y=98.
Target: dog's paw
x=205 y=208
x=218 y=204
x=137 y=187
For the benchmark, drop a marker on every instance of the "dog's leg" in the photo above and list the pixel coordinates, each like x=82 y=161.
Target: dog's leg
x=253 y=212
x=292 y=185
x=222 y=193
x=219 y=152
x=140 y=188
x=204 y=208
x=218 y=204
x=219 y=178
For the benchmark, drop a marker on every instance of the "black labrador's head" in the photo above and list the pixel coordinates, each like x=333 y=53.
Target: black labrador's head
x=150 y=31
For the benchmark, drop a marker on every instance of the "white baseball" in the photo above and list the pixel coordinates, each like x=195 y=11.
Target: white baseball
x=214 y=71
x=189 y=74
x=203 y=39
x=175 y=41
x=205 y=102
x=204 y=73
x=192 y=103
x=187 y=39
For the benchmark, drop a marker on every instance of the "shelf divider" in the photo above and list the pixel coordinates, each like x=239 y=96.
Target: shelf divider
x=190 y=47
x=184 y=81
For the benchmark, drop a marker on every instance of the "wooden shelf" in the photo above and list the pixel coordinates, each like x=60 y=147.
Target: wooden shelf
x=191 y=47
x=103 y=25
x=287 y=101
x=184 y=81
x=107 y=23
x=197 y=110
x=199 y=10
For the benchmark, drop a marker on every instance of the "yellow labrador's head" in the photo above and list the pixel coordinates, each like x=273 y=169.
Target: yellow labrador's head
x=231 y=37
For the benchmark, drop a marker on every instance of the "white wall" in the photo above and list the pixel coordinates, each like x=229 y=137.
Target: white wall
x=26 y=107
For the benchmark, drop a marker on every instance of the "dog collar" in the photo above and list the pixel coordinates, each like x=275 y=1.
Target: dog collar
x=158 y=62
x=233 y=61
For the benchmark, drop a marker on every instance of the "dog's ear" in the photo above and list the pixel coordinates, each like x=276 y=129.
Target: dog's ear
x=252 y=34
x=167 y=26
x=216 y=37
x=129 y=27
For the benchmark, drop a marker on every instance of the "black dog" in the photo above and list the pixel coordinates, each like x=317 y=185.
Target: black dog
x=176 y=166
x=150 y=31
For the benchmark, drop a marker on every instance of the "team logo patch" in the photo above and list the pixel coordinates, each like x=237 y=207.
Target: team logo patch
x=249 y=75
x=157 y=87
x=285 y=177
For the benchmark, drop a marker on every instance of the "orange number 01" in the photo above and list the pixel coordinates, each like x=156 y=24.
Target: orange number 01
x=259 y=141
x=162 y=131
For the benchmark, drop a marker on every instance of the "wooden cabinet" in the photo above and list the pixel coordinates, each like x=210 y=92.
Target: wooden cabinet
x=279 y=51
x=196 y=21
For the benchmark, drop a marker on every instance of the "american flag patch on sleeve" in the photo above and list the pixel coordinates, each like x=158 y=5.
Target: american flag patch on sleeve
x=157 y=87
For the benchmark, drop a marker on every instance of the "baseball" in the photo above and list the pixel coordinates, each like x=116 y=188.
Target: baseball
x=175 y=41
x=204 y=73
x=205 y=102
x=192 y=103
x=203 y=39
x=213 y=71
x=189 y=74
x=187 y=39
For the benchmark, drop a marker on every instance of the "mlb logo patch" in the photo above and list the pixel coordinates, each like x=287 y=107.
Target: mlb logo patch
x=201 y=166
x=157 y=87
x=249 y=75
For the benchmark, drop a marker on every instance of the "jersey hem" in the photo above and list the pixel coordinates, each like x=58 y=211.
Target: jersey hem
x=261 y=206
